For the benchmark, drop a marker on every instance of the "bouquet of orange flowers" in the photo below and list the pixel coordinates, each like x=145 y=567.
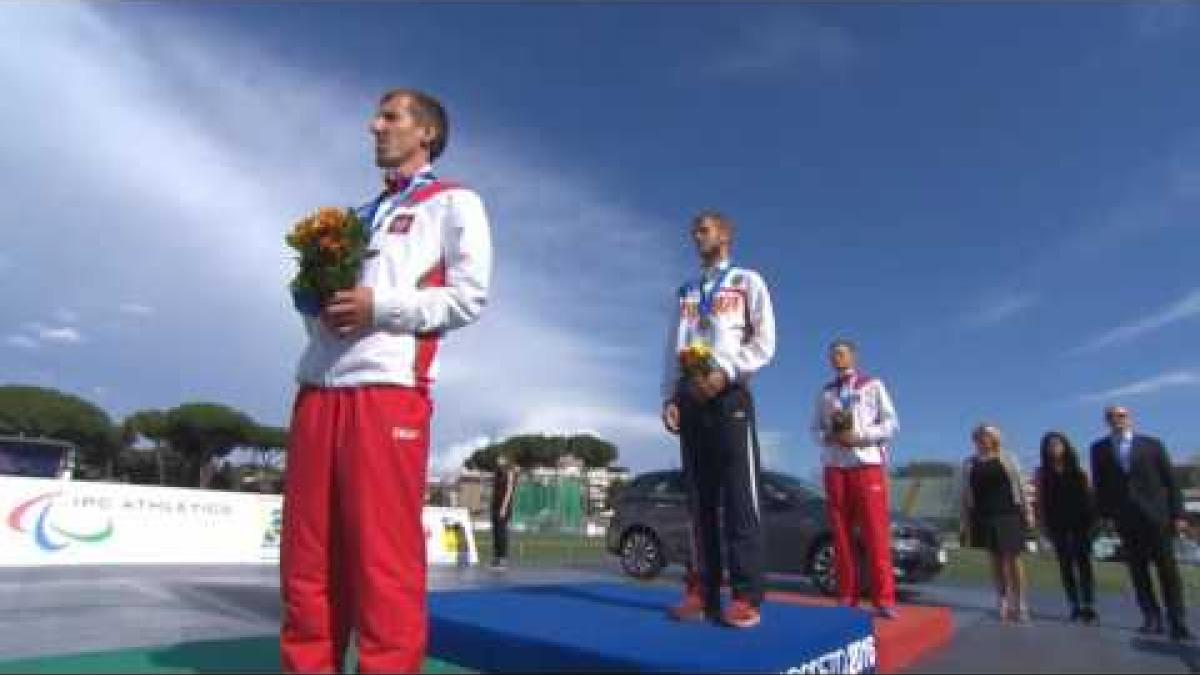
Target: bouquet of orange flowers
x=696 y=359
x=332 y=246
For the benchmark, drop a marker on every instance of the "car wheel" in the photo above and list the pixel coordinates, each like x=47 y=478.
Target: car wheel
x=641 y=554
x=821 y=569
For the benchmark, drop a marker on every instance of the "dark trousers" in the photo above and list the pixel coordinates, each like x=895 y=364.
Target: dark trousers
x=499 y=536
x=1073 y=548
x=721 y=472
x=1145 y=542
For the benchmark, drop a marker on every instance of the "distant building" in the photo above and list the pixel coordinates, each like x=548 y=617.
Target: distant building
x=930 y=498
x=32 y=457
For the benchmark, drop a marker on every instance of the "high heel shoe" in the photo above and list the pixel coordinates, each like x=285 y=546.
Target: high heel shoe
x=1003 y=611
x=1021 y=614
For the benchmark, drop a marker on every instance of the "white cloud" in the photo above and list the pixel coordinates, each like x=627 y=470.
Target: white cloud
x=22 y=341
x=1153 y=385
x=42 y=333
x=135 y=309
x=193 y=138
x=449 y=460
x=999 y=309
x=61 y=335
x=787 y=44
x=1185 y=308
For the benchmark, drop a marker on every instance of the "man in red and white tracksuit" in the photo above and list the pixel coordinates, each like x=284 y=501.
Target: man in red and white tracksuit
x=353 y=547
x=854 y=422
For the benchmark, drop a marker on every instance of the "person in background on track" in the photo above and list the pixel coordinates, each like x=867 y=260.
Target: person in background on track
x=1066 y=513
x=504 y=488
x=1137 y=492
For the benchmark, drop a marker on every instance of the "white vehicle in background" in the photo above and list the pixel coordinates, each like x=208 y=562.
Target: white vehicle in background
x=30 y=457
x=1187 y=551
x=1106 y=547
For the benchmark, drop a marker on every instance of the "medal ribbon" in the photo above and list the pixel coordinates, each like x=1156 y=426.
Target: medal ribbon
x=707 y=299
x=846 y=392
x=396 y=201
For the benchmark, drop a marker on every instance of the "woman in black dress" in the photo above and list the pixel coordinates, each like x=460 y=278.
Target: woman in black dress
x=1066 y=514
x=996 y=516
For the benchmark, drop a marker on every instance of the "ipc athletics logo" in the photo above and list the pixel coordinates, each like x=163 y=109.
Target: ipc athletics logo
x=46 y=533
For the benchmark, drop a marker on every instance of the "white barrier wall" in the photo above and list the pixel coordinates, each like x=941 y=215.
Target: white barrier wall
x=56 y=522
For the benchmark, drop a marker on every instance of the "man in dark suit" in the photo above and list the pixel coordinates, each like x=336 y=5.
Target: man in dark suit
x=1136 y=491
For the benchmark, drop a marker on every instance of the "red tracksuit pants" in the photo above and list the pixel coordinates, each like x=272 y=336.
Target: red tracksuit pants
x=353 y=548
x=857 y=497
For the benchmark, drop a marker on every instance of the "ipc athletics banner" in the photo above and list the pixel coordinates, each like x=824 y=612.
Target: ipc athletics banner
x=57 y=522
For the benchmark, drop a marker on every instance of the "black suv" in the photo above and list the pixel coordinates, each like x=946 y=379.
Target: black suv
x=649 y=531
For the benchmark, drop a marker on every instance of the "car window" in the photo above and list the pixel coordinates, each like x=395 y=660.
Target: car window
x=772 y=489
x=668 y=486
x=640 y=484
x=784 y=482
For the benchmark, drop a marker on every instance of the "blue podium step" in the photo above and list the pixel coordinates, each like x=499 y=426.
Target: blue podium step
x=623 y=627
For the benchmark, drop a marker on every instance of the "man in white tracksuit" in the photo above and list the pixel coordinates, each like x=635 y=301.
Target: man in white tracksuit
x=854 y=421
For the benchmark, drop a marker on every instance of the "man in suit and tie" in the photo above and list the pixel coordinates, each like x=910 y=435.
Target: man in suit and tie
x=1136 y=491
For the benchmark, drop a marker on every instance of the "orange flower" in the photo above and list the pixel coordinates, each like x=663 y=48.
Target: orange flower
x=696 y=358
x=332 y=245
x=330 y=220
x=323 y=227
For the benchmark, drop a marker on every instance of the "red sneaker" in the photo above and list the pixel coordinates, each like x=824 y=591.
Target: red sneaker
x=741 y=614
x=691 y=609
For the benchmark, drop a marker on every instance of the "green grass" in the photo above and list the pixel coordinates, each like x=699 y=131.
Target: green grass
x=972 y=567
x=968 y=567
x=536 y=549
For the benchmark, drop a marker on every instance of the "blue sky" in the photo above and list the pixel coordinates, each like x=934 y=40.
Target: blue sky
x=998 y=202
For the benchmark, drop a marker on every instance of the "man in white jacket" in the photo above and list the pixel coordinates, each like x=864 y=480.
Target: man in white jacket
x=353 y=547
x=727 y=309
x=854 y=422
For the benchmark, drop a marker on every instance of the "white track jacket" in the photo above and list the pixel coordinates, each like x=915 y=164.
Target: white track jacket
x=430 y=276
x=743 y=324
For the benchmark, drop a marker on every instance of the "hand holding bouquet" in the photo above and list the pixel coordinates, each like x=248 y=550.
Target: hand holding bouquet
x=841 y=421
x=841 y=429
x=332 y=246
x=696 y=360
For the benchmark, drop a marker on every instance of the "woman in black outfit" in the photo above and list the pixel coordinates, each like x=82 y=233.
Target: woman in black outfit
x=1067 y=515
x=995 y=516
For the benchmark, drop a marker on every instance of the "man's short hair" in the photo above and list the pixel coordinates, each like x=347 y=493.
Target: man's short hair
x=717 y=217
x=430 y=112
x=844 y=342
